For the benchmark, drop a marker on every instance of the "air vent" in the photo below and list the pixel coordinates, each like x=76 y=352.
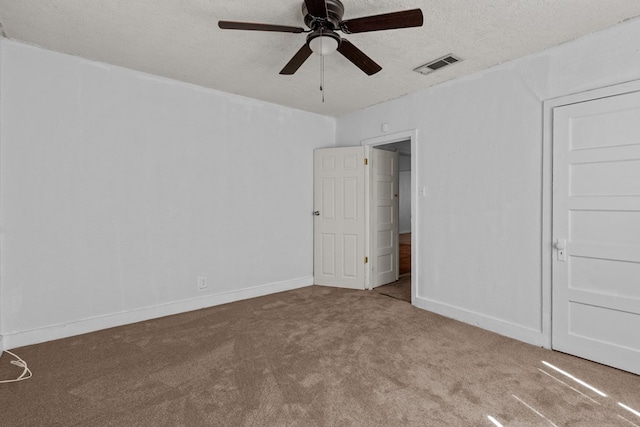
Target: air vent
x=437 y=64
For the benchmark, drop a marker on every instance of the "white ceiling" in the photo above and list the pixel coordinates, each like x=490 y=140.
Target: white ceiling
x=180 y=39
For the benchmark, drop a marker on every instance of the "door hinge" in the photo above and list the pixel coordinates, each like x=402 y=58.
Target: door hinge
x=366 y=260
x=366 y=162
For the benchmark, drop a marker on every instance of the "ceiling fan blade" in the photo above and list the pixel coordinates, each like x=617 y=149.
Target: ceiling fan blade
x=297 y=60
x=317 y=8
x=358 y=58
x=386 y=21
x=231 y=25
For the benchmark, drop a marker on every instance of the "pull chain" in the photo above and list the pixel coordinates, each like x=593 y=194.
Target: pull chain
x=321 y=66
x=322 y=76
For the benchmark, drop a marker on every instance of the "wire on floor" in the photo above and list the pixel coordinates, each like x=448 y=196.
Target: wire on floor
x=26 y=372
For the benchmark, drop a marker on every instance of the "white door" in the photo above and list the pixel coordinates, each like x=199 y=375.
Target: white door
x=384 y=217
x=339 y=225
x=596 y=227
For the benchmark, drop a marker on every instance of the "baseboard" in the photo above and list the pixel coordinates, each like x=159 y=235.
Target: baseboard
x=54 y=332
x=499 y=326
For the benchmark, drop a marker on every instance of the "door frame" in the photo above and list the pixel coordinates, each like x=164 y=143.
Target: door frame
x=369 y=143
x=547 y=250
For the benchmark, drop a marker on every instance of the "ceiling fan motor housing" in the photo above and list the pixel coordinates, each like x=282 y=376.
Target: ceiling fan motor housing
x=335 y=11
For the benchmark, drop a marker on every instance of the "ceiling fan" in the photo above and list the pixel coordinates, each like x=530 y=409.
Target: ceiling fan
x=324 y=18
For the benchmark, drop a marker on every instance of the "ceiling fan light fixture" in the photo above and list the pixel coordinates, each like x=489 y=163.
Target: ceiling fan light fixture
x=323 y=45
x=323 y=42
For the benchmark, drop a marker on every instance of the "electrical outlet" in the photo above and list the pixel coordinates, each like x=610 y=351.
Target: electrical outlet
x=202 y=283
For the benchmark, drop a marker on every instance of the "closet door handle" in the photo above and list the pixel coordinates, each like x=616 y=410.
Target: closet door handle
x=316 y=213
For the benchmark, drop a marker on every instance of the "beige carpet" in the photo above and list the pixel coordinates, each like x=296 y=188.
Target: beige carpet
x=311 y=357
x=400 y=289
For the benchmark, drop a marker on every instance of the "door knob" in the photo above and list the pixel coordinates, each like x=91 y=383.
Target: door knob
x=316 y=213
x=561 y=246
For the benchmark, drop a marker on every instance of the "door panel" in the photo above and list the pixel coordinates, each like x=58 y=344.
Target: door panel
x=384 y=216
x=339 y=225
x=622 y=277
x=596 y=211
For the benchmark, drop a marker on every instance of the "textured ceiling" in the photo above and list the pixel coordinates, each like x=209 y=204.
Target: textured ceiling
x=180 y=39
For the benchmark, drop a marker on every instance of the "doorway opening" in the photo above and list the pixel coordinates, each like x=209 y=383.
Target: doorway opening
x=402 y=288
x=356 y=246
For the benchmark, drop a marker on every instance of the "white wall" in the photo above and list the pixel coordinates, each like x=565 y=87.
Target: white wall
x=118 y=189
x=404 y=184
x=483 y=225
x=404 y=202
x=404 y=163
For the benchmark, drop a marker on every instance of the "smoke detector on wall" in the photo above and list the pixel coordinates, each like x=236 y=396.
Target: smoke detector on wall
x=437 y=64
